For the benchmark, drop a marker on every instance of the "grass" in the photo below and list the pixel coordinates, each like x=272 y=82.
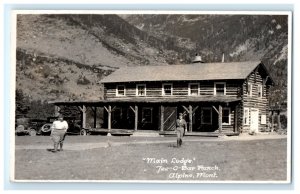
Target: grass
x=259 y=160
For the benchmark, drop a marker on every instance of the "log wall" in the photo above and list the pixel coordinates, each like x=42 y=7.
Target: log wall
x=154 y=89
x=254 y=100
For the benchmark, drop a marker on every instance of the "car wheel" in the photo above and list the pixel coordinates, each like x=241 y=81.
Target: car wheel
x=46 y=128
x=83 y=132
x=32 y=132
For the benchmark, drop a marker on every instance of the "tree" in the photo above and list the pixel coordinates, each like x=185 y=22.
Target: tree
x=22 y=104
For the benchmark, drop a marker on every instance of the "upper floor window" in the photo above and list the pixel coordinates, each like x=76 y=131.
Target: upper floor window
x=193 y=89
x=220 y=89
x=259 y=90
x=167 y=89
x=249 y=89
x=141 y=89
x=226 y=119
x=120 y=90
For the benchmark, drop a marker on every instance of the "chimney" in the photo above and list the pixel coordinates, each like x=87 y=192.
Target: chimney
x=197 y=59
x=223 y=58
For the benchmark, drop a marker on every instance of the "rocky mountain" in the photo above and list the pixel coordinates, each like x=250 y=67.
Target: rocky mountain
x=239 y=37
x=64 y=57
x=55 y=52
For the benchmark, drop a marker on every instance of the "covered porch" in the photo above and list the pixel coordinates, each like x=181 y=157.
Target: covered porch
x=205 y=116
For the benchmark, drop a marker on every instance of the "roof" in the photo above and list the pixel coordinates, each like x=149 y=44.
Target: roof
x=224 y=99
x=188 y=72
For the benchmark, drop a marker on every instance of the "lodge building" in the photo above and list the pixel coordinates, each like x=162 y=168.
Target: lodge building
x=218 y=98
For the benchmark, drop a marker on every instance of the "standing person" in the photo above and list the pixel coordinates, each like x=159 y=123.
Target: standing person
x=58 y=132
x=181 y=126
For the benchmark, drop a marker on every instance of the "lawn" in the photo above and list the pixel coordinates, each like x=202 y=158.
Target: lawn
x=255 y=160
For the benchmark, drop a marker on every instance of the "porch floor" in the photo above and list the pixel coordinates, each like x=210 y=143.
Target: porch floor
x=203 y=134
x=157 y=133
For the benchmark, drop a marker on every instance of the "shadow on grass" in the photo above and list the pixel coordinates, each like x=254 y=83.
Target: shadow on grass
x=172 y=146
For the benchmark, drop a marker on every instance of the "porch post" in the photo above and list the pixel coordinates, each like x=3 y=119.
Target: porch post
x=190 y=118
x=236 y=119
x=162 y=111
x=109 y=117
x=136 y=117
x=83 y=110
x=220 y=119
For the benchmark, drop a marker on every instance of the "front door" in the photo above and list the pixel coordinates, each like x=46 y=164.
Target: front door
x=254 y=121
x=170 y=116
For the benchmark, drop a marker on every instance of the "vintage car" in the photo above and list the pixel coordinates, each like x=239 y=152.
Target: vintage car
x=28 y=126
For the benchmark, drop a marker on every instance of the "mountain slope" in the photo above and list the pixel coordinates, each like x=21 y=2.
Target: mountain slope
x=239 y=37
x=71 y=47
x=64 y=57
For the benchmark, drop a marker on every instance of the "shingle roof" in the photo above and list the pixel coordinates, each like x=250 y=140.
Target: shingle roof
x=188 y=72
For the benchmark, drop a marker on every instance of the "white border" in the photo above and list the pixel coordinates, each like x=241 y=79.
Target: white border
x=150 y=12
x=13 y=60
x=13 y=75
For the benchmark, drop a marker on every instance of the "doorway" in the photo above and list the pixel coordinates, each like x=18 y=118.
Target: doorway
x=254 y=120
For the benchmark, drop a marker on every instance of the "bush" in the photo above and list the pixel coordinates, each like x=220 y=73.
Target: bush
x=83 y=81
x=283 y=121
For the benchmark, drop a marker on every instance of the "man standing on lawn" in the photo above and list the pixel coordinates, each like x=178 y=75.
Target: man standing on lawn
x=181 y=126
x=58 y=132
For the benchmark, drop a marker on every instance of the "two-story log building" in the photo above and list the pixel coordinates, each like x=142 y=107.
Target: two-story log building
x=223 y=98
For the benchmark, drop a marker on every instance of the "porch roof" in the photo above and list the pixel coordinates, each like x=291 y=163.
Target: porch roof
x=222 y=99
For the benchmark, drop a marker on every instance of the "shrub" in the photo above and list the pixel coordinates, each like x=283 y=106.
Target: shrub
x=82 y=80
x=283 y=121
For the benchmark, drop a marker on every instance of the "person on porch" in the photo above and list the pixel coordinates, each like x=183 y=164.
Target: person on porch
x=181 y=126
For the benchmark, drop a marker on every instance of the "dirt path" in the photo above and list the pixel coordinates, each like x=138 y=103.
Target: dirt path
x=104 y=142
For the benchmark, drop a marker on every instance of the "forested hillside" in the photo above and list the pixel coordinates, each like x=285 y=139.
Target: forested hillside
x=64 y=57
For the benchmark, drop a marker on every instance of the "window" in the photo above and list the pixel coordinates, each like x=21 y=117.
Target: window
x=167 y=90
x=259 y=91
x=147 y=115
x=226 y=116
x=206 y=116
x=220 y=89
x=141 y=89
x=249 y=89
x=120 y=90
x=193 y=89
x=246 y=116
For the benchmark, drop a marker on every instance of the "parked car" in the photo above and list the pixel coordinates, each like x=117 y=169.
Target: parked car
x=28 y=126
